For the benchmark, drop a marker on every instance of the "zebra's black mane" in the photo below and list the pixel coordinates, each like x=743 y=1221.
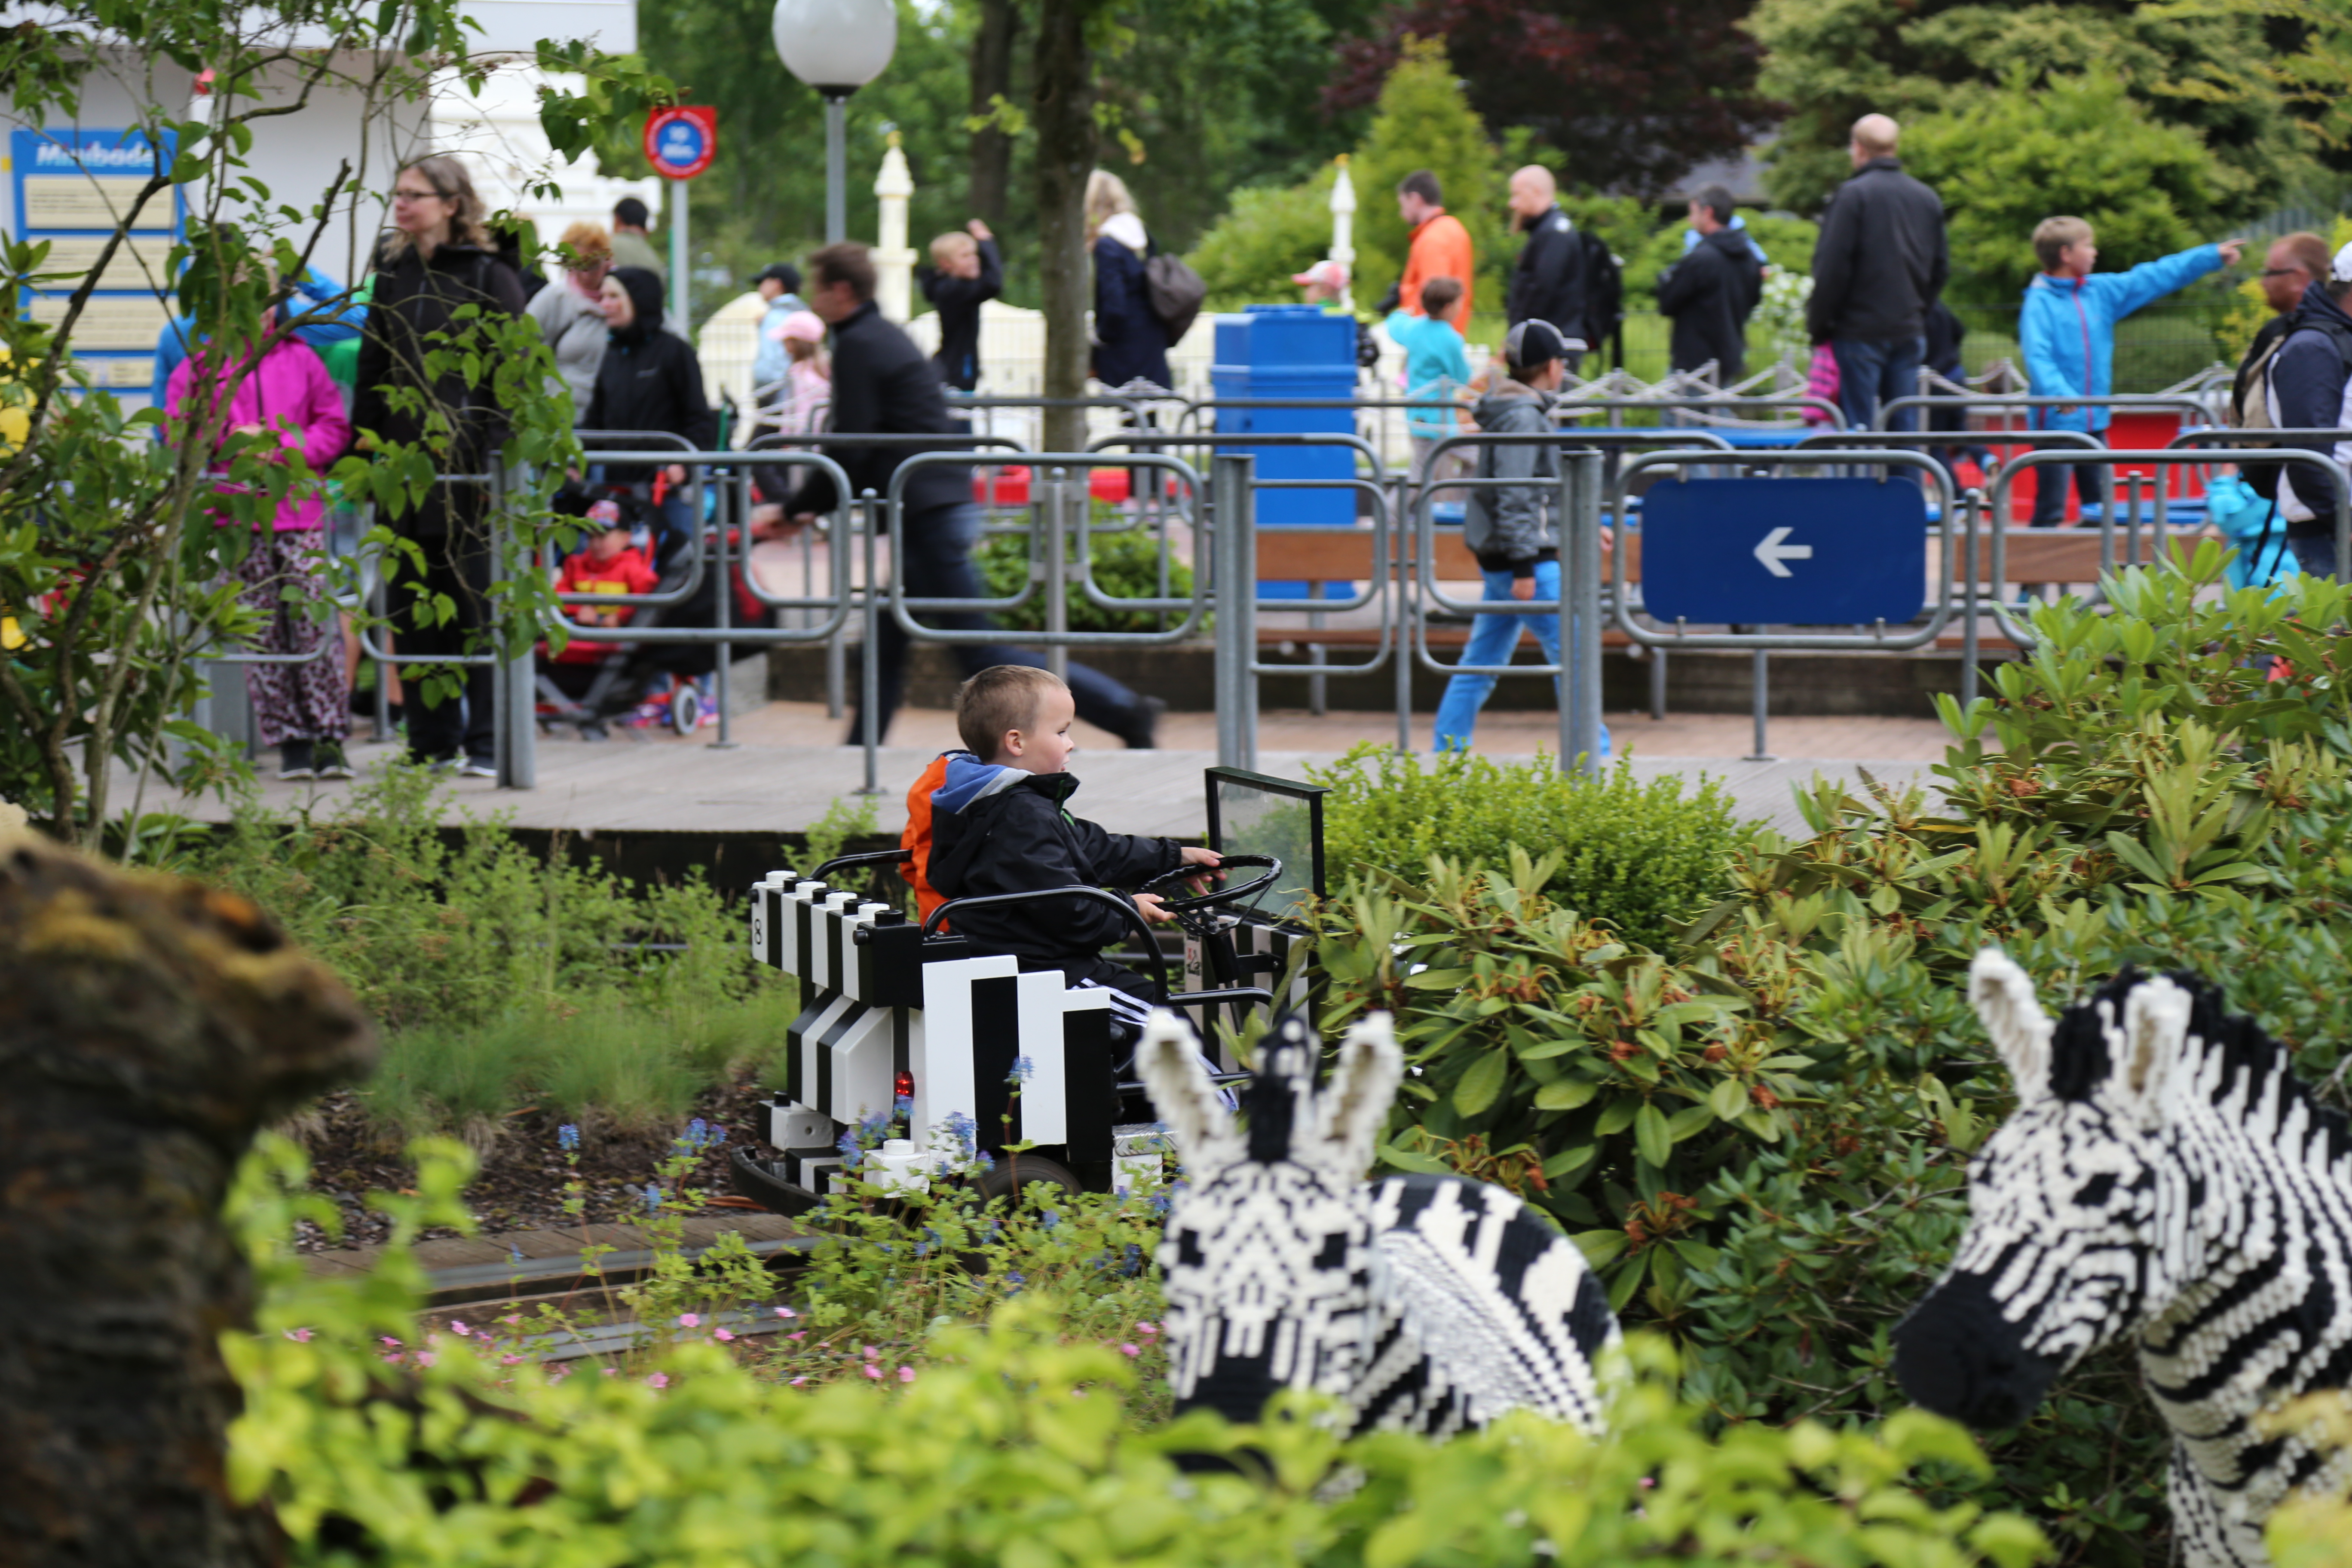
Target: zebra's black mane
x=2079 y=1062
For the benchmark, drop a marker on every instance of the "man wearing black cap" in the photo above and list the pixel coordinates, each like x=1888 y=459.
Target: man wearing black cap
x=1511 y=528
x=882 y=384
x=780 y=285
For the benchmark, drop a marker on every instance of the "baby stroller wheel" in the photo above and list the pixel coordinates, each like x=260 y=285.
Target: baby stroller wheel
x=685 y=709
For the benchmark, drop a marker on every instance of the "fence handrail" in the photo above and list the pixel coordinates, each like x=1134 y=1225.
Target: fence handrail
x=1887 y=410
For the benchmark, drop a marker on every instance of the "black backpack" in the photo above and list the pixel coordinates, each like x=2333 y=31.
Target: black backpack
x=1176 y=294
x=1604 y=289
x=2250 y=403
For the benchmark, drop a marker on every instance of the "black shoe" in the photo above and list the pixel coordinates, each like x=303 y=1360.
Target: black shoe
x=294 y=760
x=478 y=768
x=1142 y=731
x=329 y=760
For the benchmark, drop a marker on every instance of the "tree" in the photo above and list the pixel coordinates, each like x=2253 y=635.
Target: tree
x=2076 y=145
x=2311 y=66
x=1063 y=114
x=1833 y=61
x=1424 y=121
x=1629 y=97
x=118 y=552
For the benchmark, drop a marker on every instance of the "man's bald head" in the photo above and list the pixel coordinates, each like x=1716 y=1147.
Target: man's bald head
x=1873 y=137
x=1533 y=191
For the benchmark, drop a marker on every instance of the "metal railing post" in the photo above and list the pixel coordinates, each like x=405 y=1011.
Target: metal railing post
x=516 y=731
x=1234 y=584
x=1580 y=631
x=1762 y=700
x=1974 y=501
x=1057 y=567
x=869 y=724
x=720 y=672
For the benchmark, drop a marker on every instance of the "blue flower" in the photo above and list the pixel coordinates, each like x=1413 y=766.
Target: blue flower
x=653 y=1195
x=1049 y=1219
x=567 y=1137
x=904 y=1104
x=514 y=1254
x=984 y=1162
x=1022 y=1071
x=1160 y=1203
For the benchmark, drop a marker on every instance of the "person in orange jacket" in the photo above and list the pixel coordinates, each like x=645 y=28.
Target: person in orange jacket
x=1441 y=246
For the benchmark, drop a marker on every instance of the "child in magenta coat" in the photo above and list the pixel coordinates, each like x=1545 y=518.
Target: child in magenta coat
x=303 y=710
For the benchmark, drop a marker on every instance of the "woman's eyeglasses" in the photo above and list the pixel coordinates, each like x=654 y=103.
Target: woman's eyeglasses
x=432 y=196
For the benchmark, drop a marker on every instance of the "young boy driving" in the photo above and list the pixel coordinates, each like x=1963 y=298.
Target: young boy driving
x=999 y=824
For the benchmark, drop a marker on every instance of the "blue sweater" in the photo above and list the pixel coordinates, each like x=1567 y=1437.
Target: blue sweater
x=172 y=347
x=1436 y=365
x=2067 y=329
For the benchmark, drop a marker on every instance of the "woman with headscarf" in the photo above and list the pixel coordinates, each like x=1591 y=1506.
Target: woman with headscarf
x=1130 y=340
x=571 y=314
x=650 y=380
x=438 y=259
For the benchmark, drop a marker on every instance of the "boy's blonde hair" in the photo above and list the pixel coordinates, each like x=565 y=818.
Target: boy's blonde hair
x=952 y=245
x=1000 y=698
x=1438 y=295
x=2052 y=236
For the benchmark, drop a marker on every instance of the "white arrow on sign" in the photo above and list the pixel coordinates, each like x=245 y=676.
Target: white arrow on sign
x=1771 y=551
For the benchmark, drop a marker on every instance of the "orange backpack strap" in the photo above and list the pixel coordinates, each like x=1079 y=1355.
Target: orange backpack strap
x=917 y=838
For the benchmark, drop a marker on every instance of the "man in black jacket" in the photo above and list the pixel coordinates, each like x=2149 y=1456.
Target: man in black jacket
x=2310 y=388
x=2295 y=262
x=882 y=384
x=1881 y=259
x=1712 y=291
x=1551 y=281
x=965 y=274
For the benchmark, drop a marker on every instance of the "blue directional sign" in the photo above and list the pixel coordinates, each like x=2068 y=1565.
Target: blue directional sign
x=1784 y=552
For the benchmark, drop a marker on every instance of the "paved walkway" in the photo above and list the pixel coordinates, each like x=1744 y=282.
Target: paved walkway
x=787 y=767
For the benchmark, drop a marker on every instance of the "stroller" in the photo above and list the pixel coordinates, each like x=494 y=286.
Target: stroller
x=595 y=684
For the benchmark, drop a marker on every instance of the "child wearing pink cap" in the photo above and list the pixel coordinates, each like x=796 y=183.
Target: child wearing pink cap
x=808 y=382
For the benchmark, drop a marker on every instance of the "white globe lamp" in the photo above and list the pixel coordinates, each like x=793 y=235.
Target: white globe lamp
x=835 y=47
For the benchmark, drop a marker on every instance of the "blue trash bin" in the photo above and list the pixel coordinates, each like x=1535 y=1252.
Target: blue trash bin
x=1301 y=351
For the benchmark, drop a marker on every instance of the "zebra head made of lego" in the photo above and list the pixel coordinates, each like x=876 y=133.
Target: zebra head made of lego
x=1425 y=1302
x=2165 y=1178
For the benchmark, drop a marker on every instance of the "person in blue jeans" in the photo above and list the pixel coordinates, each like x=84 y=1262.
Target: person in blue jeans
x=2067 y=331
x=1510 y=528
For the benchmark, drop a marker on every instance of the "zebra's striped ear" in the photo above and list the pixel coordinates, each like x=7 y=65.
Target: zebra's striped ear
x=1354 y=1104
x=2002 y=994
x=2156 y=1035
x=1170 y=1062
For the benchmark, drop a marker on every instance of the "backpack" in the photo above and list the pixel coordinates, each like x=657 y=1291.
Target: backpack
x=1176 y=294
x=916 y=838
x=2250 y=406
x=1604 y=288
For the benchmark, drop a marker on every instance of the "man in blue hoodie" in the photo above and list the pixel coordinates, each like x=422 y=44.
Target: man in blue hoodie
x=2067 y=330
x=2310 y=388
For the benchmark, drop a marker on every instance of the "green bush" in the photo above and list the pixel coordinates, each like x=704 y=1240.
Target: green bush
x=1641 y=856
x=1124 y=564
x=1269 y=233
x=1759 y=1131
x=1009 y=1446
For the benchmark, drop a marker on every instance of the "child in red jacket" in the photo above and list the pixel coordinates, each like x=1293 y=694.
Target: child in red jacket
x=608 y=564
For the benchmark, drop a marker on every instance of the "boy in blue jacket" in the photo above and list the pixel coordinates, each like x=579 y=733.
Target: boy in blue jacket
x=2067 y=329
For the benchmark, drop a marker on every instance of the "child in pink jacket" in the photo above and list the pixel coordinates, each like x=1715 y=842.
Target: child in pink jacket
x=303 y=708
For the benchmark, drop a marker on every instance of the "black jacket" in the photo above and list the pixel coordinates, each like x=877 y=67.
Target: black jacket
x=882 y=384
x=2308 y=380
x=958 y=301
x=1020 y=838
x=1547 y=283
x=1882 y=258
x=413 y=299
x=1710 y=293
x=651 y=380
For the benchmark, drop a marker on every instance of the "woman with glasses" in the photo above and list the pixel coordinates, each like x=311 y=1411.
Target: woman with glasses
x=437 y=258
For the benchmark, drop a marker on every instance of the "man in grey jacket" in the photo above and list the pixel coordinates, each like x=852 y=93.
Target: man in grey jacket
x=1511 y=528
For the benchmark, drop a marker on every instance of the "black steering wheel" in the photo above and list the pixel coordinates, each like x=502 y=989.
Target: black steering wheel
x=1232 y=893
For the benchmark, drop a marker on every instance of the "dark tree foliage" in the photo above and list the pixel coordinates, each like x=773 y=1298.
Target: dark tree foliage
x=1628 y=96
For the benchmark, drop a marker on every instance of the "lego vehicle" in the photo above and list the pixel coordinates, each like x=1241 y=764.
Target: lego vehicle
x=904 y=1022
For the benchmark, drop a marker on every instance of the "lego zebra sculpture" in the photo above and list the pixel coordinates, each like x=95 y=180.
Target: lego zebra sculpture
x=1430 y=1303
x=2165 y=1176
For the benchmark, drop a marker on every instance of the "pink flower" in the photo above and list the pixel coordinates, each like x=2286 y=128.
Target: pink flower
x=299 y=1336
x=873 y=1372
x=612 y=1371
x=801 y=1335
x=798 y=1381
x=722 y=1336
x=458 y=1328
x=426 y=1358
x=872 y=1355
x=1147 y=1328
x=512 y=1320
x=390 y=1341
x=658 y=1380
x=689 y=1319
x=906 y=1375
x=508 y=1360
x=787 y=1312
x=1129 y=1350
x=393 y=1358
x=558 y=1373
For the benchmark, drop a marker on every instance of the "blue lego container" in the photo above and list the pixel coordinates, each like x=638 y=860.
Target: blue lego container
x=1291 y=351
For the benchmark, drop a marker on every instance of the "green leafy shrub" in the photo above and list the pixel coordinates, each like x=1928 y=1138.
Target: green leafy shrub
x=1269 y=233
x=1643 y=856
x=1125 y=564
x=1759 y=1130
x=1009 y=1446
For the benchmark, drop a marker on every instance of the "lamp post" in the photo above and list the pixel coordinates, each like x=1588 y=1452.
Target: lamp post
x=835 y=47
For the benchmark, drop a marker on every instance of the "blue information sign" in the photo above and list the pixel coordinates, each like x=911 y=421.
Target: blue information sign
x=74 y=188
x=1784 y=552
